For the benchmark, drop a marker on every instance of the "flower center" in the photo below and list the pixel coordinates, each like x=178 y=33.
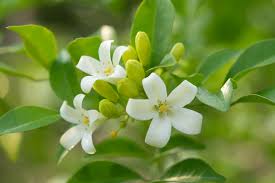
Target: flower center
x=163 y=107
x=85 y=121
x=108 y=70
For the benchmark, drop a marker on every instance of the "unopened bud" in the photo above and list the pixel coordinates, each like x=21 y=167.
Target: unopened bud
x=114 y=134
x=177 y=51
x=135 y=71
x=105 y=90
x=127 y=88
x=130 y=53
x=108 y=109
x=143 y=48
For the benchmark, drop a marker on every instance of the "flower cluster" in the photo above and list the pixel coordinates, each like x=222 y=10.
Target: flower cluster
x=129 y=94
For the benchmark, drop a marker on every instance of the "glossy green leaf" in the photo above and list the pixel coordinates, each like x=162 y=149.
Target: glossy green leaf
x=63 y=78
x=221 y=100
x=258 y=55
x=159 y=16
x=104 y=172
x=39 y=42
x=191 y=171
x=182 y=142
x=266 y=96
x=26 y=118
x=84 y=46
x=121 y=147
x=215 y=61
x=13 y=72
x=168 y=61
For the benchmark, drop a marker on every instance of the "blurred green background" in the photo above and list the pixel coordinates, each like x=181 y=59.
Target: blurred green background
x=240 y=143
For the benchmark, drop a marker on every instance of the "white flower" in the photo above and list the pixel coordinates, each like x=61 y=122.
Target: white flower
x=165 y=111
x=105 y=69
x=84 y=122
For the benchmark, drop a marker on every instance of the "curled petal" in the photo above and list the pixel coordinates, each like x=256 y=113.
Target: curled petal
x=89 y=65
x=186 y=121
x=87 y=83
x=71 y=137
x=87 y=143
x=183 y=94
x=140 y=109
x=159 y=132
x=69 y=114
x=119 y=51
x=78 y=99
x=154 y=88
x=104 y=52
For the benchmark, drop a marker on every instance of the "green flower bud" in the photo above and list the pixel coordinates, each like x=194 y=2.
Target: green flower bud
x=143 y=48
x=127 y=88
x=178 y=51
x=130 y=53
x=108 y=109
x=135 y=71
x=105 y=90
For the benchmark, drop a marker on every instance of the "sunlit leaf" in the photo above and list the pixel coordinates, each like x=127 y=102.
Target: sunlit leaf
x=221 y=100
x=215 y=61
x=155 y=17
x=84 y=46
x=39 y=42
x=104 y=172
x=191 y=171
x=63 y=78
x=266 y=96
x=258 y=55
x=26 y=118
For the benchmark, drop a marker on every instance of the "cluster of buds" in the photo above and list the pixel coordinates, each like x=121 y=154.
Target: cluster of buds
x=129 y=94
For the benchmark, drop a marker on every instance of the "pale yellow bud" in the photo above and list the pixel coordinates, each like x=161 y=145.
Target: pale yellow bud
x=143 y=48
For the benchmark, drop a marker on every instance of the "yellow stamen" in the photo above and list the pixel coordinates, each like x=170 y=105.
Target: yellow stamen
x=85 y=120
x=114 y=134
x=163 y=108
x=108 y=70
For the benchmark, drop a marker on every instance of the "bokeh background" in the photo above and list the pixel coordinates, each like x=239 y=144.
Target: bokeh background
x=240 y=143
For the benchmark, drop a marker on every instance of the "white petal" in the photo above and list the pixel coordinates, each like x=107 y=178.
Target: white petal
x=104 y=52
x=154 y=88
x=93 y=115
x=119 y=73
x=140 y=109
x=69 y=114
x=186 y=120
x=71 y=137
x=87 y=143
x=87 y=83
x=159 y=132
x=89 y=65
x=183 y=94
x=119 y=51
x=78 y=99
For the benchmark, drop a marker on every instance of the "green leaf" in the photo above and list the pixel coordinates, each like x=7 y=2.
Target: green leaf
x=11 y=49
x=215 y=61
x=121 y=147
x=258 y=55
x=191 y=171
x=26 y=118
x=84 y=46
x=63 y=78
x=181 y=142
x=266 y=96
x=39 y=42
x=167 y=61
x=13 y=72
x=155 y=17
x=221 y=100
x=104 y=172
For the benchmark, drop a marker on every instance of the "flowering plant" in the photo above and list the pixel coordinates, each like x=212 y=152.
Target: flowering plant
x=131 y=86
